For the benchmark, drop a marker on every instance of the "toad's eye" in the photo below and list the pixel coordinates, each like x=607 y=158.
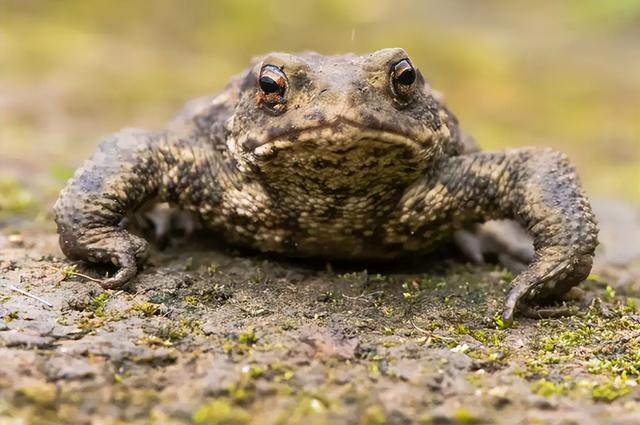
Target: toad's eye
x=403 y=77
x=272 y=82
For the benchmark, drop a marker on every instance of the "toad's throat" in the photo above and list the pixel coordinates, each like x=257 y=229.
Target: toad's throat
x=342 y=167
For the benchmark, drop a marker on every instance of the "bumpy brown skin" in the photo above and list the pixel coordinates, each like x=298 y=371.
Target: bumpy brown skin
x=340 y=165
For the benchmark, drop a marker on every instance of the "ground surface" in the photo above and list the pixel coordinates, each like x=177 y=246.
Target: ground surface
x=208 y=336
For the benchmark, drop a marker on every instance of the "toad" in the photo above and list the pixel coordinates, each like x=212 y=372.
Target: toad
x=336 y=157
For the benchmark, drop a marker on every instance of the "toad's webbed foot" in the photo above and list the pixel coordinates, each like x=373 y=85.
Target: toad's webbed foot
x=130 y=168
x=537 y=188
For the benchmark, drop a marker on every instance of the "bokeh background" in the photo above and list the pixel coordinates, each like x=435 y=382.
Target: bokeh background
x=546 y=73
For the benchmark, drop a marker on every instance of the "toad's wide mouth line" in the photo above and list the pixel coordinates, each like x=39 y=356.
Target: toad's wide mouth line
x=341 y=131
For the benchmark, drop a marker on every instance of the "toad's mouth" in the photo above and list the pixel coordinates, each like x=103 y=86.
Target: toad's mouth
x=339 y=136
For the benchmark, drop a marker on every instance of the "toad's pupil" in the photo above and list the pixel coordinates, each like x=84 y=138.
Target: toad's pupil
x=407 y=77
x=269 y=85
x=405 y=74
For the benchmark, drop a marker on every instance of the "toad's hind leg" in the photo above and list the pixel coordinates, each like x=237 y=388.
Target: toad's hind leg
x=538 y=188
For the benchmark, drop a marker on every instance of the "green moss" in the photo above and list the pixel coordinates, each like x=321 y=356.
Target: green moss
x=609 y=293
x=255 y=372
x=280 y=372
x=630 y=306
x=567 y=340
x=11 y=316
x=190 y=300
x=373 y=415
x=547 y=388
x=535 y=369
x=500 y=323
x=153 y=341
x=175 y=333
x=214 y=294
x=411 y=291
x=220 y=412
x=90 y=324
x=241 y=343
x=98 y=304
x=248 y=336
x=69 y=271
x=464 y=416
x=486 y=337
x=609 y=391
x=147 y=309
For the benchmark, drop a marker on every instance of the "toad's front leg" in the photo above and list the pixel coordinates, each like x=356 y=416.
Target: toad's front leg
x=536 y=187
x=129 y=169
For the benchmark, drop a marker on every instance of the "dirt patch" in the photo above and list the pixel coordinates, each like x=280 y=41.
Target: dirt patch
x=208 y=336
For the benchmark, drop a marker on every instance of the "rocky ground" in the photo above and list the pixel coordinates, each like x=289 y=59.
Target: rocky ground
x=206 y=335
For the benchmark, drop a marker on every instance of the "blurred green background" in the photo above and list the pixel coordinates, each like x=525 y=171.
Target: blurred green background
x=546 y=73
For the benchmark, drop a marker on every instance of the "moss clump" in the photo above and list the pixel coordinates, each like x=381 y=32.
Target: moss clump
x=147 y=309
x=582 y=335
x=220 y=412
x=248 y=336
x=609 y=293
x=240 y=343
x=609 y=391
x=411 y=291
x=373 y=415
x=216 y=294
x=191 y=301
x=11 y=316
x=547 y=388
x=500 y=323
x=176 y=333
x=490 y=338
x=465 y=416
x=69 y=271
x=98 y=304
x=153 y=341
